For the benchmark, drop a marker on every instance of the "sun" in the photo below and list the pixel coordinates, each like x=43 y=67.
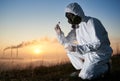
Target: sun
x=37 y=51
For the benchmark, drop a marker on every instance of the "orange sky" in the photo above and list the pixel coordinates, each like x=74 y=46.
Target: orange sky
x=29 y=25
x=46 y=48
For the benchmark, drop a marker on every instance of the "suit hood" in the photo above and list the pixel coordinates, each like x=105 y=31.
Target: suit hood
x=75 y=9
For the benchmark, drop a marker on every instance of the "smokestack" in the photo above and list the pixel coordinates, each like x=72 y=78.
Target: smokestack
x=11 y=51
x=3 y=52
x=17 y=52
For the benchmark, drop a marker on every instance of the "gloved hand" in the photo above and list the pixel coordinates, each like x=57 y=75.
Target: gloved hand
x=58 y=29
x=71 y=48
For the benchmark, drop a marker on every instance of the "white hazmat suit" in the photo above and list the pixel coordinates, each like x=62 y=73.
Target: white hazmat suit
x=93 y=45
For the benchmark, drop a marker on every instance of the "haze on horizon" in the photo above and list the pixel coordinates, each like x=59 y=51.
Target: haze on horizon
x=28 y=25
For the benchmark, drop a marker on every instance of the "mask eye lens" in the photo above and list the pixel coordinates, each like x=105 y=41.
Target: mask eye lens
x=69 y=15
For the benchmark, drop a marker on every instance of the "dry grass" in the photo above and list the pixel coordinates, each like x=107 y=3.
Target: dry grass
x=58 y=72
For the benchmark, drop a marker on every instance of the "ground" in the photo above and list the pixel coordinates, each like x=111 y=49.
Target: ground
x=58 y=72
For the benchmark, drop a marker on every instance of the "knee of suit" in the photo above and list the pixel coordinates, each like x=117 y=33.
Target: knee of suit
x=86 y=76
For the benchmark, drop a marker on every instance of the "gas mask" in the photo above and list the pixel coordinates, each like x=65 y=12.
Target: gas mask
x=73 y=19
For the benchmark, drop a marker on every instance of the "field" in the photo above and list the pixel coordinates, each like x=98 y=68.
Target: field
x=59 y=72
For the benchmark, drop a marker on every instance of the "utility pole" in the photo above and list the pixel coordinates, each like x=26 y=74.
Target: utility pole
x=11 y=52
x=16 y=52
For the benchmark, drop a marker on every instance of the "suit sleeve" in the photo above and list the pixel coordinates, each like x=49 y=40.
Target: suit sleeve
x=66 y=40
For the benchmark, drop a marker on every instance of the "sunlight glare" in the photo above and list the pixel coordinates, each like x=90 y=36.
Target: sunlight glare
x=37 y=51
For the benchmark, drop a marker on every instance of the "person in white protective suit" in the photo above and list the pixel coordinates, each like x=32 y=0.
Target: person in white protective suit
x=92 y=53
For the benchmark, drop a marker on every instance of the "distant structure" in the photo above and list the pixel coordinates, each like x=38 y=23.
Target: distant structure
x=16 y=52
x=11 y=52
x=3 y=52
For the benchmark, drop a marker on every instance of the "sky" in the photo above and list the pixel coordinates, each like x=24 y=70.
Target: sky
x=23 y=22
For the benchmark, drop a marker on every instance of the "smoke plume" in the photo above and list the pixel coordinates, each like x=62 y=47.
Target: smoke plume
x=27 y=43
